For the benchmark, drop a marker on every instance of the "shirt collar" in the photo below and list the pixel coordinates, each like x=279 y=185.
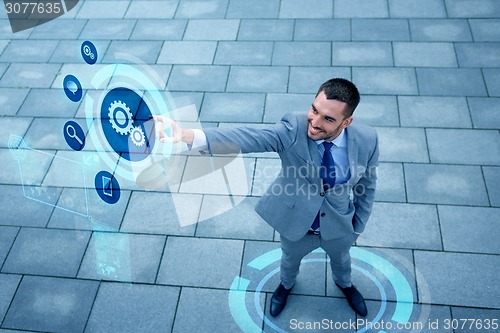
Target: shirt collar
x=339 y=141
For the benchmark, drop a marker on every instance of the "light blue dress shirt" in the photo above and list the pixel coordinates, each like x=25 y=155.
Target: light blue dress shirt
x=340 y=157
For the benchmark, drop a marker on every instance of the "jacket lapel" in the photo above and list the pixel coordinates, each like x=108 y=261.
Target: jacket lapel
x=352 y=152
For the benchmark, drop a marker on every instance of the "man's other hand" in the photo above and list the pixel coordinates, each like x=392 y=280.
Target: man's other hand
x=177 y=134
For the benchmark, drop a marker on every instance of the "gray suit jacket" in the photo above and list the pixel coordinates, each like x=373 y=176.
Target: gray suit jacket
x=291 y=203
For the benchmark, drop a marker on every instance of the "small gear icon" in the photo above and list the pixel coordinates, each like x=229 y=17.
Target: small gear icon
x=120 y=117
x=137 y=136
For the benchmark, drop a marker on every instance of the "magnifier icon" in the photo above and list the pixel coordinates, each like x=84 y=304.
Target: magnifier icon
x=72 y=134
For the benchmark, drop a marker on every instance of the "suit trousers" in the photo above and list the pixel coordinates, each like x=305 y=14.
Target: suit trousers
x=337 y=250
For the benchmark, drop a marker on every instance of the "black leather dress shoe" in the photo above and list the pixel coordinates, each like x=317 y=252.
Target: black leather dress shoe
x=355 y=299
x=278 y=301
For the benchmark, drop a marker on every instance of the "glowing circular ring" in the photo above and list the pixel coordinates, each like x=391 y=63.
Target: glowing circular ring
x=404 y=294
x=153 y=97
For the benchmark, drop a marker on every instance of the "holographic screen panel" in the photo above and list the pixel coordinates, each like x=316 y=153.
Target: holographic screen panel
x=66 y=171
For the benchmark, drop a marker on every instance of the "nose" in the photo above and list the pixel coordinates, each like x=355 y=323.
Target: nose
x=315 y=121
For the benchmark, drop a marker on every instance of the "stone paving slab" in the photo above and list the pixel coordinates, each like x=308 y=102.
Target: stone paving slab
x=417 y=8
x=302 y=78
x=483 y=112
x=483 y=316
x=445 y=184
x=83 y=209
x=314 y=9
x=47 y=252
x=266 y=30
x=9 y=283
x=239 y=222
x=47 y=103
x=136 y=308
x=424 y=54
x=245 y=107
x=147 y=51
x=492 y=179
x=440 y=30
x=427 y=111
x=277 y=105
x=460 y=234
x=205 y=255
x=11 y=99
x=390 y=183
x=244 y=53
x=65 y=306
x=7 y=236
x=379 y=29
x=485 y=30
x=301 y=53
x=187 y=52
x=198 y=78
x=122 y=257
x=478 y=54
x=28 y=51
x=313 y=30
x=158 y=30
x=399 y=225
x=258 y=79
x=254 y=9
x=362 y=54
x=378 y=111
x=385 y=81
x=402 y=144
x=29 y=75
x=450 y=289
x=202 y=310
x=492 y=81
x=449 y=146
x=164 y=213
x=201 y=9
x=12 y=196
x=470 y=9
x=451 y=82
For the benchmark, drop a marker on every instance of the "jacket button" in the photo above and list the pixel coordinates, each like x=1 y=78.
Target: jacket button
x=322 y=194
x=323 y=214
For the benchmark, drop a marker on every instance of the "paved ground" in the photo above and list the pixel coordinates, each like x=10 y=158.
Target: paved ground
x=429 y=74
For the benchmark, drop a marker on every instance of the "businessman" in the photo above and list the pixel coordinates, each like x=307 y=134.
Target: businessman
x=324 y=193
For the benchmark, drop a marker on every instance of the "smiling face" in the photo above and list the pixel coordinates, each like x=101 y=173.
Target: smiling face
x=326 y=118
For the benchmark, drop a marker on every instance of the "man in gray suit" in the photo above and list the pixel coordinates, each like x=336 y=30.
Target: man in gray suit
x=324 y=193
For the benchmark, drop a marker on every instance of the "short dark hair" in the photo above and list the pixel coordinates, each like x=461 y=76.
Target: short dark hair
x=341 y=90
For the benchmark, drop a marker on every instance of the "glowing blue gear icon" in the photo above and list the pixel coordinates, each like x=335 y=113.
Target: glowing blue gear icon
x=120 y=117
x=137 y=136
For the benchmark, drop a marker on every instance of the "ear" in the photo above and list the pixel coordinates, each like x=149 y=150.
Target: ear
x=346 y=122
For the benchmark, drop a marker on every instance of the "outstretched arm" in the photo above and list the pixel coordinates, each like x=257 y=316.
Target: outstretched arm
x=234 y=140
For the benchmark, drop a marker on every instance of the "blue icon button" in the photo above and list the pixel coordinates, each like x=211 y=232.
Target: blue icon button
x=107 y=187
x=72 y=88
x=74 y=135
x=89 y=52
x=126 y=123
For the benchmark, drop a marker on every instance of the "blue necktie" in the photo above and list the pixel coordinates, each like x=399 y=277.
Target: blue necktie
x=327 y=173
